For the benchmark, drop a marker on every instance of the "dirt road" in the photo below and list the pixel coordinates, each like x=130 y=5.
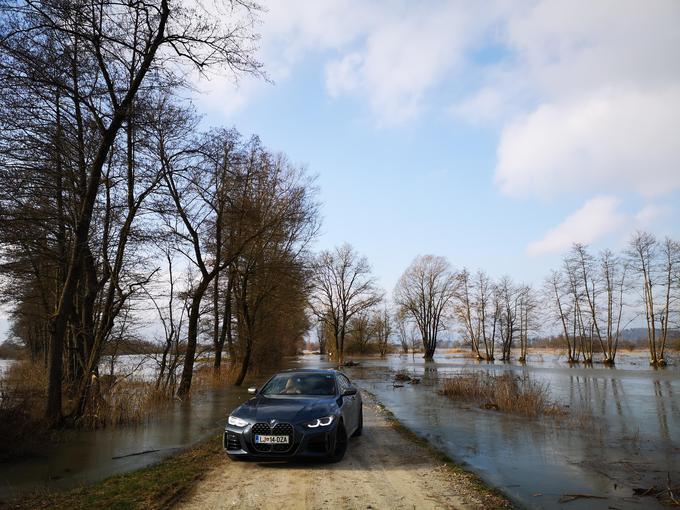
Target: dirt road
x=383 y=469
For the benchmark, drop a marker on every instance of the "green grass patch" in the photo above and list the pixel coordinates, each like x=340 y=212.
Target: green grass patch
x=154 y=487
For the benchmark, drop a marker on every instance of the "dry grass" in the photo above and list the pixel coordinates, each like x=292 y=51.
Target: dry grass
x=126 y=402
x=462 y=352
x=206 y=377
x=22 y=396
x=121 y=401
x=506 y=392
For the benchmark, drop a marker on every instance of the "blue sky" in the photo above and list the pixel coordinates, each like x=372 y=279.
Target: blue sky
x=494 y=135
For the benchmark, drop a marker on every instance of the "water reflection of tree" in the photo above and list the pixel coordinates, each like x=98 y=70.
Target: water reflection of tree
x=661 y=409
x=596 y=396
x=430 y=372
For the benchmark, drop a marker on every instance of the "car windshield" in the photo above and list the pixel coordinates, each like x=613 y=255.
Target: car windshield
x=300 y=384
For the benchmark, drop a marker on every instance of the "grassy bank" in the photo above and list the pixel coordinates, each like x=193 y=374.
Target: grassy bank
x=154 y=487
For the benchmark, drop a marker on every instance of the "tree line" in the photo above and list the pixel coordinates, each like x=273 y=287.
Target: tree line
x=590 y=300
x=118 y=208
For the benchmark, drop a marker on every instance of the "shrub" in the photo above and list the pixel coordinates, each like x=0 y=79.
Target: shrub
x=505 y=392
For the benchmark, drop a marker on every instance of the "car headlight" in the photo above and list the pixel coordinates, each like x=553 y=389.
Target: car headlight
x=320 y=422
x=237 y=422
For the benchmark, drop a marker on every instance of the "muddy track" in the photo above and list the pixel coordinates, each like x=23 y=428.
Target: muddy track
x=382 y=470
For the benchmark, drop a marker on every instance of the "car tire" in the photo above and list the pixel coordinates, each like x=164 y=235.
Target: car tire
x=360 y=426
x=339 y=445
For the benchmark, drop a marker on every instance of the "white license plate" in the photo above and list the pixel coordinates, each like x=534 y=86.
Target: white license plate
x=271 y=439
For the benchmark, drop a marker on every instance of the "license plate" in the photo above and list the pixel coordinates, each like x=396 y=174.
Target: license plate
x=271 y=439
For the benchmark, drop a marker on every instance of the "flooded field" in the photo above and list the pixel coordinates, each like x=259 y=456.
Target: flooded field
x=83 y=457
x=631 y=438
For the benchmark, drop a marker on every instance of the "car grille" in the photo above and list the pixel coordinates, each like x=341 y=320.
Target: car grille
x=231 y=441
x=280 y=429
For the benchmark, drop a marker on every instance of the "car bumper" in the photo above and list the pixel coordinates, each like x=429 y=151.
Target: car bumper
x=304 y=442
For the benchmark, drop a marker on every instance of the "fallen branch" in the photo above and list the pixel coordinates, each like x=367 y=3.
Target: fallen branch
x=567 y=498
x=134 y=454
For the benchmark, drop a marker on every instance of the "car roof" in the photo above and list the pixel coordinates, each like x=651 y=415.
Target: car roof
x=310 y=371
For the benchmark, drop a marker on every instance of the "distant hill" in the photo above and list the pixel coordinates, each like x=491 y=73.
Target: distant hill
x=640 y=334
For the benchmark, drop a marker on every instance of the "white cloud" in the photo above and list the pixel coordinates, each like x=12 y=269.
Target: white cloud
x=611 y=141
x=600 y=87
x=403 y=56
x=597 y=218
x=341 y=75
x=485 y=105
x=651 y=213
x=579 y=89
x=388 y=54
x=222 y=94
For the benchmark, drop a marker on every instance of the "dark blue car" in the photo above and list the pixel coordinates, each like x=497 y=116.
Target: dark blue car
x=308 y=413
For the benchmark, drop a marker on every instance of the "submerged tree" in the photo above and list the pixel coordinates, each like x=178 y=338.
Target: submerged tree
x=656 y=268
x=476 y=310
x=382 y=326
x=424 y=293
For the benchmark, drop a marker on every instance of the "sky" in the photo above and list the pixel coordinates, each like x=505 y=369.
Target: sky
x=493 y=133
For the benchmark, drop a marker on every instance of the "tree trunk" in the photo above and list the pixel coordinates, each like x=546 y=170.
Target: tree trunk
x=192 y=336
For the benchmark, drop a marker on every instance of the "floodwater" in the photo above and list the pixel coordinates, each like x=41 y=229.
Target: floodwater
x=87 y=456
x=632 y=440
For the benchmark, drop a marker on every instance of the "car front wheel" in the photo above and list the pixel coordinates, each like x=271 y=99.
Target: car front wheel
x=340 y=444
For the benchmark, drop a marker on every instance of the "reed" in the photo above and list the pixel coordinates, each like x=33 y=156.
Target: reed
x=507 y=392
x=125 y=401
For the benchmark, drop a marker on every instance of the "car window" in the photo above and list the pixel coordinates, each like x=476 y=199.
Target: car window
x=300 y=384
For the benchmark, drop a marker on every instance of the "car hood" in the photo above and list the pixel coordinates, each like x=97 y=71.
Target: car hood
x=286 y=409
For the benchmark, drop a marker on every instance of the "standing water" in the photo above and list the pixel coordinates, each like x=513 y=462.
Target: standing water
x=630 y=438
x=86 y=456
x=631 y=441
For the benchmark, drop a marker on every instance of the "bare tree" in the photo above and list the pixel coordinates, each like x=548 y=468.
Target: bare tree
x=424 y=292
x=614 y=272
x=343 y=286
x=382 y=326
x=401 y=321
x=582 y=325
x=323 y=336
x=507 y=295
x=360 y=332
x=94 y=59
x=526 y=305
x=171 y=315
x=556 y=291
x=465 y=311
x=270 y=270
x=474 y=309
x=655 y=265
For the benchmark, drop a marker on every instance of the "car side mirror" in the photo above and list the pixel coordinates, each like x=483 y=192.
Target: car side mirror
x=349 y=392
x=252 y=390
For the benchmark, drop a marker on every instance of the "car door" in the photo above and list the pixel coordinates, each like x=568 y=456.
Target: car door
x=350 y=407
